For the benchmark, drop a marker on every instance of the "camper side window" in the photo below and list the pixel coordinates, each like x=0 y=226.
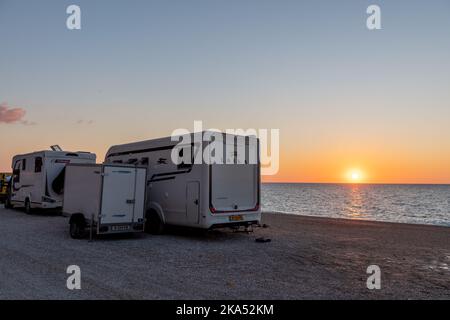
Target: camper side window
x=38 y=164
x=24 y=164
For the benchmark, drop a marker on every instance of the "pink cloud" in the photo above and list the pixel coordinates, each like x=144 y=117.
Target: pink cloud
x=12 y=115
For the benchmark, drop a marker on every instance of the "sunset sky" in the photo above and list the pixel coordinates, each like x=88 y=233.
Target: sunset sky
x=346 y=99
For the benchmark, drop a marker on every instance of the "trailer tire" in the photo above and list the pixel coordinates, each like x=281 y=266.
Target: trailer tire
x=153 y=223
x=28 y=209
x=77 y=226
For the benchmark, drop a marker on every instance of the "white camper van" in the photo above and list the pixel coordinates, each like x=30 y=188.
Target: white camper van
x=104 y=198
x=196 y=194
x=38 y=178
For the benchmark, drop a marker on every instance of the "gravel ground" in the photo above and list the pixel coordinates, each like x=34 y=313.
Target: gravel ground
x=308 y=258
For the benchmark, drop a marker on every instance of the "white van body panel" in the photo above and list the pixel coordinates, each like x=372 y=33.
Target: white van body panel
x=39 y=177
x=200 y=195
x=82 y=190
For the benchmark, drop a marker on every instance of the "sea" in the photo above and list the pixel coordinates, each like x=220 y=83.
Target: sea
x=418 y=204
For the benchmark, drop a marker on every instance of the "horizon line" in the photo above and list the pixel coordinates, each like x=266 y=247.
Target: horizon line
x=357 y=183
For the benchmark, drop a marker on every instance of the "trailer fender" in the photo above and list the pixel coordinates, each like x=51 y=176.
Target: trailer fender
x=157 y=208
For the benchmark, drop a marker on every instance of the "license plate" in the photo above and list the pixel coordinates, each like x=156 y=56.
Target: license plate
x=236 y=218
x=120 y=228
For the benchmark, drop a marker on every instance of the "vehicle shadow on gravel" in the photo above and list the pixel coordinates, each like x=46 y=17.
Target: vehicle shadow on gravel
x=116 y=237
x=38 y=212
x=179 y=232
x=208 y=235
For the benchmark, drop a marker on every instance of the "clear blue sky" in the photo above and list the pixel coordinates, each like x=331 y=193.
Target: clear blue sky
x=139 y=69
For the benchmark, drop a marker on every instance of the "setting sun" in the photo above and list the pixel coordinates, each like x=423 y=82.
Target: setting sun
x=355 y=175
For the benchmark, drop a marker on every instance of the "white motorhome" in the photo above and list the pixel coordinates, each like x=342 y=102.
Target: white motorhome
x=200 y=195
x=104 y=198
x=38 y=178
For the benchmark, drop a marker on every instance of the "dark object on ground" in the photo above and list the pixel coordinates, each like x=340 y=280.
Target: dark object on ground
x=262 y=240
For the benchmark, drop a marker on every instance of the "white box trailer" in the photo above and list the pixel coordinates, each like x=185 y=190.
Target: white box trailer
x=104 y=198
x=38 y=178
x=196 y=195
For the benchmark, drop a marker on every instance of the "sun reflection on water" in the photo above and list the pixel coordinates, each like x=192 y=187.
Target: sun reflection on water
x=355 y=205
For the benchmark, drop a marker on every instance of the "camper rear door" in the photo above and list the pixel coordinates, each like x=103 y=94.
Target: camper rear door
x=234 y=187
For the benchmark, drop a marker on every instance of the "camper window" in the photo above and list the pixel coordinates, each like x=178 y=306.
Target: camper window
x=24 y=164
x=16 y=175
x=16 y=172
x=38 y=164
x=144 y=161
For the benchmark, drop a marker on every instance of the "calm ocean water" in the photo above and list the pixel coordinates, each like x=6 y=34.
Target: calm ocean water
x=424 y=204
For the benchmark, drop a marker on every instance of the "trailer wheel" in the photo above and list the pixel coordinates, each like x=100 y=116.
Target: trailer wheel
x=28 y=209
x=77 y=229
x=153 y=224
